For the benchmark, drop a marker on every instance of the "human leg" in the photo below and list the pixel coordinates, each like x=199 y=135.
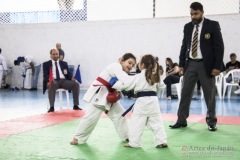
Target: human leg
x=208 y=86
x=28 y=79
x=74 y=87
x=52 y=92
x=120 y=122
x=155 y=123
x=189 y=81
x=137 y=125
x=35 y=77
x=168 y=83
x=87 y=123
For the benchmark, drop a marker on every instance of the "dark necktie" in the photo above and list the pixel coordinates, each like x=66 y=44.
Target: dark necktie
x=195 y=42
x=57 y=72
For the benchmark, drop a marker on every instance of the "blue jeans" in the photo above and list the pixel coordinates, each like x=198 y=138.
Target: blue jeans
x=35 y=77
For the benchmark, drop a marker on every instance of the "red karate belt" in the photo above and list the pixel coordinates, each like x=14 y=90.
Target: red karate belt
x=113 y=95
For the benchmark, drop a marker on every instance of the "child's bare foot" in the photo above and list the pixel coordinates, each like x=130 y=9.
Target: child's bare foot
x=74 y=141
x=127 y=145
x=164 y=145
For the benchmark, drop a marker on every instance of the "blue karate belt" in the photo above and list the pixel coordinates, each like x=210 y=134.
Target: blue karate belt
x=140 y=94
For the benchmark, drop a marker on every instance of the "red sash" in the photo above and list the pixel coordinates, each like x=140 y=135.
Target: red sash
x=113 y=95
x=105 y=83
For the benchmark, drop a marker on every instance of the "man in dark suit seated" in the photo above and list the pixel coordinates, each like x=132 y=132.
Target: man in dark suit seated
x=57 y=75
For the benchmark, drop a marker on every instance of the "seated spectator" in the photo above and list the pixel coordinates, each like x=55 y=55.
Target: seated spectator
x=57 y=75
x=172 y=76
x=161 y=71
x=233 y=64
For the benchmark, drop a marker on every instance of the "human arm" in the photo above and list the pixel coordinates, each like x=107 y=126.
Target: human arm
x=184 y=51
x=218 y=47
x=174 y=71
x=33 y=68
x=126 y=85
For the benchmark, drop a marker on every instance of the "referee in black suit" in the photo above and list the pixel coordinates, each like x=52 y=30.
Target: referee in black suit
x=201 y=57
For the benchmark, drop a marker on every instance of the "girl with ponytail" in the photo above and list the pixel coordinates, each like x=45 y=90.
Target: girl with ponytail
x=146 y=108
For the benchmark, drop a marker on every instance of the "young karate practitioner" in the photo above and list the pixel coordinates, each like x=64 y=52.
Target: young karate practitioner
x=97 y=102
x=146 y=108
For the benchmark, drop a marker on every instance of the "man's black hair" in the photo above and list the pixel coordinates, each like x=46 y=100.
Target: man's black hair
x=16 y=63
x=196 y=6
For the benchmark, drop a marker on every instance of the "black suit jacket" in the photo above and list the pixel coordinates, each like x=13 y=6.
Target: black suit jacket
x=46 y=72
x=211 y=45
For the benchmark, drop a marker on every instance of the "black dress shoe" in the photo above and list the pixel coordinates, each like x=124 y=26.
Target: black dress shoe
x=178 y=125
x=51 y=109
x=75 y=107
x=33 y=89
x=212 y=128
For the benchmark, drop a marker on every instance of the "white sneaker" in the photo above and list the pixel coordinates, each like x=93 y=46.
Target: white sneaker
x=237 y=91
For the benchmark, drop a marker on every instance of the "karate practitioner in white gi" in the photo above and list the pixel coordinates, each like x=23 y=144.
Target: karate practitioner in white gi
x=3 y=68
x=35 y=66
x=146 y=110
x=97 y=102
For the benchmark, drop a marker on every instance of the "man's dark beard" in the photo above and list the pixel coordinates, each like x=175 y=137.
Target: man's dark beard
x=197 y=21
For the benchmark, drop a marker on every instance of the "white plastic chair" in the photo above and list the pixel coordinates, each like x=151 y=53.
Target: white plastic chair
x=60 y=94
x=179 y=87
x=219 y=84
x=161 y=93
x=234 y=73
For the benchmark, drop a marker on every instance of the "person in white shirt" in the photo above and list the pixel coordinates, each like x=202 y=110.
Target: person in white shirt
x=3 y=68
x=35 y=66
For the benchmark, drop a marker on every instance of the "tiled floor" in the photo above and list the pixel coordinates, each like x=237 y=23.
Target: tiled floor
x=16 y=104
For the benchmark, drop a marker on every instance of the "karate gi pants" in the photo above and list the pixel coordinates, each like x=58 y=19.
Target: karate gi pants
x=146 y=112
x=91 y=117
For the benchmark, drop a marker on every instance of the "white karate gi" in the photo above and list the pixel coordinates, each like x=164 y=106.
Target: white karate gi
x=3 y=68
x=146 y=110
x=97 y=104
x=37 y=65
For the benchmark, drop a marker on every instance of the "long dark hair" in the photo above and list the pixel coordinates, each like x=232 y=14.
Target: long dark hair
x=170 y=62
x=152 y=69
